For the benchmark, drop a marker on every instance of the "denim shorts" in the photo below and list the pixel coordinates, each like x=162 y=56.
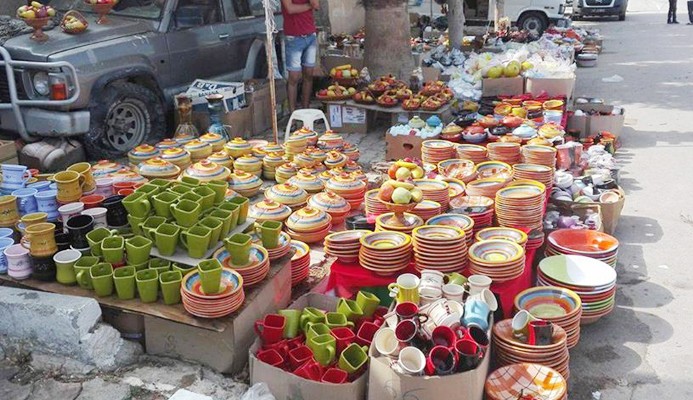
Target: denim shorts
x=301 y=51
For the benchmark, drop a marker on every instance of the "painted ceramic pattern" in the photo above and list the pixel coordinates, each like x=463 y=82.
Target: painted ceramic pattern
x=248 y=163
x=105 y=167
x=307 y=219
x=269 y=210
x=125 y=175
x=207 y=171
x=287 y=193
x=240 y=180
x=309 y=183
x=329 y=202
x=157 y=168
x=221 y=158
x=167 y=144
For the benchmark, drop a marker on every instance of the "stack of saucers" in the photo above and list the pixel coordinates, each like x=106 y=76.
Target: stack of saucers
x=278 y=252
x=426 y=209
x=435 y=151
x=500 y=260
x=300 y=262
x=510 y=350
x=506 y=152
x=472 y=152
x=502 y=233
x=520 y=206
x=537 y=172
x=229 y=298
x=440 y=247
x=561 y=306
x=309 y=225
x=345 y=245
x=374 y=206
x=464 y=222
x=583 y=242
x=254 y=271
x=537 y=154
x=526 y=381
x=435 y=190
x=385 y=253
x=594 y=281
x=535 y=239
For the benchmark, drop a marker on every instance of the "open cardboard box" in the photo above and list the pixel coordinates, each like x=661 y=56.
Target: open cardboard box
x=503 y=86
x=605 y=121
x=609 y=212
x=553 y=87
x=287 y=386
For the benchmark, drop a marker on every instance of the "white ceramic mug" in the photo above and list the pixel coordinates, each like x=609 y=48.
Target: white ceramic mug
x=520 y=324
x=104 y=187
x=386 y=342
x=477 y=283
x=487 y=297
x=18 y=261
x=441 y=313
x=453 y=291
x=411 y=361
x=70 y=210
x=99 y=215
x=431 y=278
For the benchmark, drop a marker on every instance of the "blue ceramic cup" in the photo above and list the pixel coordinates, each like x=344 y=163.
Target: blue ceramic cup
x=47 y=202
x=40 y=186
x=6 y=233
x=4 y=243
x=14 y=174
x=26 y=202
x=476 y=313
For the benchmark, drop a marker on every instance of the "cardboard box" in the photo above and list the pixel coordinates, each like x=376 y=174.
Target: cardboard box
x=240 y=121
x=287 y=386
x=234 y=94
x=402 y=146
x=553 y=87
x=582 y=210
x=226 y=348
x=261 y=104
x=347 y=119
x=578 y=123
x=598 y=123
x=503 y=86
x=430 y=74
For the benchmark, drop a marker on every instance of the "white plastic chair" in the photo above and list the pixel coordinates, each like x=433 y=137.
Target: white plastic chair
x=308 y=116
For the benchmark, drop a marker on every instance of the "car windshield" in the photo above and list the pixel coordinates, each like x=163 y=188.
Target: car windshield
x=149 y=9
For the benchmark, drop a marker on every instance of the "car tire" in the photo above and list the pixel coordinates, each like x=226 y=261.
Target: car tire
x=622 y=17
x=125 y=116
x=533 y=21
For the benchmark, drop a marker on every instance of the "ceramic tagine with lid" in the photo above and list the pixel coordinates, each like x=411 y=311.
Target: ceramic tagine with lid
x=308 y=219
x=269 y=210
x=198 y=149
x=274 y=148
x=273 y=160
x=319 y=167
x=308 y=182
x=158 y=168
x=295 y=144
x=345 y=184
x=303 y=160
x=332 y=204
x=105 y=167
x=318 y=155
x=248 y=163
x=184 y=139
x=177 y=156
x=360 y=175
x=285 y=171
x=215 y=140
x=245 y=184
x=351 y=151
x=259 y=152
x=310 y=135
x=238 y=147
x=167 y=144
x=416 y=122
x=142 y=153
x=125 y=175
x=207 y=171
x=330 y=141
x=335 y=159
x=351 y=166
x=221 y=158
x=288 y=194
x=325 y=176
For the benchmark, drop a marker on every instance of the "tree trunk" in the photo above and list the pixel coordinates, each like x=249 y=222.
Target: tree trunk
x=456 y=22
x=388 y=36
x=500 y=11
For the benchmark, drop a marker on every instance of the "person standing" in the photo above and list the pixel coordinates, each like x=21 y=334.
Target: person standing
x=671 y=18
x=301 y=47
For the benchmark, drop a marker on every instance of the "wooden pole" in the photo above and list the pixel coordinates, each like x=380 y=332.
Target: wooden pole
x=269 y=51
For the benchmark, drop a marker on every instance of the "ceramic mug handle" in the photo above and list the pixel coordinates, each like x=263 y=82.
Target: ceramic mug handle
x=183 y=239
x=257 y=326
x=82 y=279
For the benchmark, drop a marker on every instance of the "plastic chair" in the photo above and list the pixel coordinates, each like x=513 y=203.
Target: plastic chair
x=308 y=116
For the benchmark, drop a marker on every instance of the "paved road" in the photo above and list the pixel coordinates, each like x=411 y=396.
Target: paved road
x=643 y=349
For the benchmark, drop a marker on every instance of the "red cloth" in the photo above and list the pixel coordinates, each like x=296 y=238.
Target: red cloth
x=300 y=24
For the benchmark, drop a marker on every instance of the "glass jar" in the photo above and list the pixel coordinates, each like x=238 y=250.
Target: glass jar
x=216 y=107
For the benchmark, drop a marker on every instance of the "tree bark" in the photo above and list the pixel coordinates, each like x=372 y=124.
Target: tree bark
x=456 y=22
x=500 y=11
x=388 y=36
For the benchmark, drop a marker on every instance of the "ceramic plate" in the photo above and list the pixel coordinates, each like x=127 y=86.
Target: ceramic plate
x=578 y=271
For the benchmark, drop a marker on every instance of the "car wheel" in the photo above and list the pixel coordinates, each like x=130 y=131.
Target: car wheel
x=126 y=116
x=622 y=17
x=533 y=22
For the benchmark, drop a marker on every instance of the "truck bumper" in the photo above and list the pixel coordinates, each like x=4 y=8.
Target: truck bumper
x=561 y=22
x=597 y=11
x=40 y=122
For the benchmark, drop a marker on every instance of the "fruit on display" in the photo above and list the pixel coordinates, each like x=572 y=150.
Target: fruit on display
x=413 y=167
x=102 y=1
x=345 y=71
x=387 y=100
x=512 y=69
x=432 y=87
x=400 y=192
x=73 y=22
x=35 y=10
x=379 y=87
x=363 y=96
x=431 y=104
x=412 y=104
x=404 y=93
x=336 y=92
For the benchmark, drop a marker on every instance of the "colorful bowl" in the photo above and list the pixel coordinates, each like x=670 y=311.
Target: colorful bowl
x=549 y=302
x=198 y=149
x=167 y=144
x=158 y=168
x=495 y=252
x=207 y=171
x=385 y=240
x=104 y=167
x=335 y=159
x=245 y=184
x=221 y=158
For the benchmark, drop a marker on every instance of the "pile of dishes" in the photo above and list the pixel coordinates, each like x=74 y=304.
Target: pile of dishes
x=426 y=209
x=463 y=170
x=535 y=239
x=383 y=222
x=385 y=253
x=440 y=247
x=526 y=381
x=506 y=152
x=456 y=187
x=374 y=206
x=309 y=225
x=537 y=172
x=478 y=208
x=583 y=242
x=300 y=262
x=537 y=154
x=461 y=221
x=561 y=306
x=472 y=152
x=278 y=252
x=331 y=203
x=435 y=190
x=435 y=151
x=350 y=188
x=252 y=272
x=500 y=260
x=510 y=350
x=487 y=187
x=520 y=206
x=229 y=298
x=593 y=280
x=345 y=245
x=502 y=233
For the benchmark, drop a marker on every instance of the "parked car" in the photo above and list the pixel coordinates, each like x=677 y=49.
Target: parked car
x=113 y=85
x=532 y=15
x=600 y=8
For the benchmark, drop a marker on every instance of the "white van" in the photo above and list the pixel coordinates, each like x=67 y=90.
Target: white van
x=532 y=15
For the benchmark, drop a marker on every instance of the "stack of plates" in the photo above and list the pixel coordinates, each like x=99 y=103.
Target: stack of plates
x=510 y=350
x=501 y=233
x=426 y=209
x=278 y=252
x=526 y=381
x=374 y=206
x=383 y=223
x=537 y=154
x=435 y=151
x=500 y=260
x=507 y=152
x=594 y=281
x=460 y=221
x=456 y=168
x=252 y=272
x=385 y=253
x=300 y=262
x=456 y=187
x=520 y=206
x=485 y=187
x=583 y=242
x=435 y=190
x=494 y=169
x=478 y=208
x=472 y=152
x=535 y=239
x=561 y=306
x=229 y=298
x=540 y=173
x=440 y=247
x=345 y=245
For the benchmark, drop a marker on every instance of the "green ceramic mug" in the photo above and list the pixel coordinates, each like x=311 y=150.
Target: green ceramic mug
x=180 y=189
x=225 y=217
x=235 y=210
x=170 y=286
x=150 y=226
x=149 y=189
x=324 y=348
x=65 y=266
x=293 y=319
x=82 y=267
x=313 y=330
x=337 y=319
x=124 y=280
x=140 y=267
x=210 y=275
x=190 y=181
x=137 y=204
x=147 y=285
x=311 y=315
x=137 y=249
x=163 y=184
x=215 y=226
x=113 y=249
x=96 y=236
x=368 y=302
x=243 y=204
x=159 y=265
x=101 y=278
x=456 y=278
x=220 y=188
x=350 y=309
x=192 y=196
x=238 y=245
x=136 y=224
x=269 y=232
x=207 y=195
x=183 y=269
x=196 y=240
x=186 y=212
x=162 y=203
x=353 y=358
x=166 y=239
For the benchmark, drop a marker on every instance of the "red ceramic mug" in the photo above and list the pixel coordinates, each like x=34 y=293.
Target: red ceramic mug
x=271 y=357
x=335 y=375
x=540 y=332
x=441 y=361
x=126 y=192
x=409 y=311
x=444 y=336
x=271 y=328
x=281 y=347
x=93 y=200
x=298 y=341
x=299 y=356
x=468 y=355
x=344 y=336
x=310 y=370
x=366 y=332
x=479 y=336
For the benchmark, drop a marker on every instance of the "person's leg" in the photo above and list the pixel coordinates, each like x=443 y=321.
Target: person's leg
x=673 y=12
x=294 y=53
x=310 y=55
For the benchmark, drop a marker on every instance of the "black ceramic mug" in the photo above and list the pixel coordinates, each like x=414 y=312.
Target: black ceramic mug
x=78 y=226
x=117 y=215
x=62 y=239
x=43 y=268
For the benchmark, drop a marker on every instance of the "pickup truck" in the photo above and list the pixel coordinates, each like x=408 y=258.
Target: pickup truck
x=113 y=85
x=531 y=15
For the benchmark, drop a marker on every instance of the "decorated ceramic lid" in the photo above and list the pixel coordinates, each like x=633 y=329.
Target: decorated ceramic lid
x=434 y=121
x=335 y=159
x=273 y=159
x=351 y=166
x=206 y=170
x=308 y=219
x=175 y=155
x=105 y=167
x=248 y=163
x=303 y=132
x=221 y=158
x=184 y=138
x=259 y=152
x=325 y=176
x=269 y=210
x=274 y=148
x=196 y=145
x=157 y=168
x=360 y=175
x=287 y=193
x=142 y=152
x=167 y=144
x=317 y=154
x=287 y=168
x=238 y=143
x=303 y=160
x=125 y=175
x=351 y=151
x=240 y=180
x=345 y=183
x=308 y=182
x=214 y=139
x=416 y=122
x=329 y=202
x=319 y=167
x=525 y=132
x=452 y=129
x=330 y=140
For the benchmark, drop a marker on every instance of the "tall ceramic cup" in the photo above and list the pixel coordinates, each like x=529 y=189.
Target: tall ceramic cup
x=69 y=186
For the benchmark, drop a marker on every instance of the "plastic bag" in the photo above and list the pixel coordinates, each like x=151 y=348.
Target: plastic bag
x=259 y=391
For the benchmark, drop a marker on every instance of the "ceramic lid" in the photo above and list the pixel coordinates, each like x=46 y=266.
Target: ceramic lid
x=296 y=139
x=325 y=176
x=273 y=158
x=308 y=219
x=184 y=138
x=287 y=193
x=274 y=148
x=330 y=140
x=104 y=167
x=335 y=159
x=211 y=138
x=351 y=166
x=144 y=150
x=416 y=122
x=269 y=209
x=345 y=183
x=304 y=159
x=167 y=144
x=195 y=144
x=287 y=168
x=305 y=132
x=125 y=175
x=175 y=154
x=220 y=157
x=452 y=128
x=247 y=161
x=434 y=121
x=206 y=170
x=316 y=154
x=308 y=182
x=157 y=168
x=240 y=180
x=329 y=202
x=238 y=143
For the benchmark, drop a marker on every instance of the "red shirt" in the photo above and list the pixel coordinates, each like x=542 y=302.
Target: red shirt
x=298 y=24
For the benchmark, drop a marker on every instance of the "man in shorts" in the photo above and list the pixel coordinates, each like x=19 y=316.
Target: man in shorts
x=301 y=47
